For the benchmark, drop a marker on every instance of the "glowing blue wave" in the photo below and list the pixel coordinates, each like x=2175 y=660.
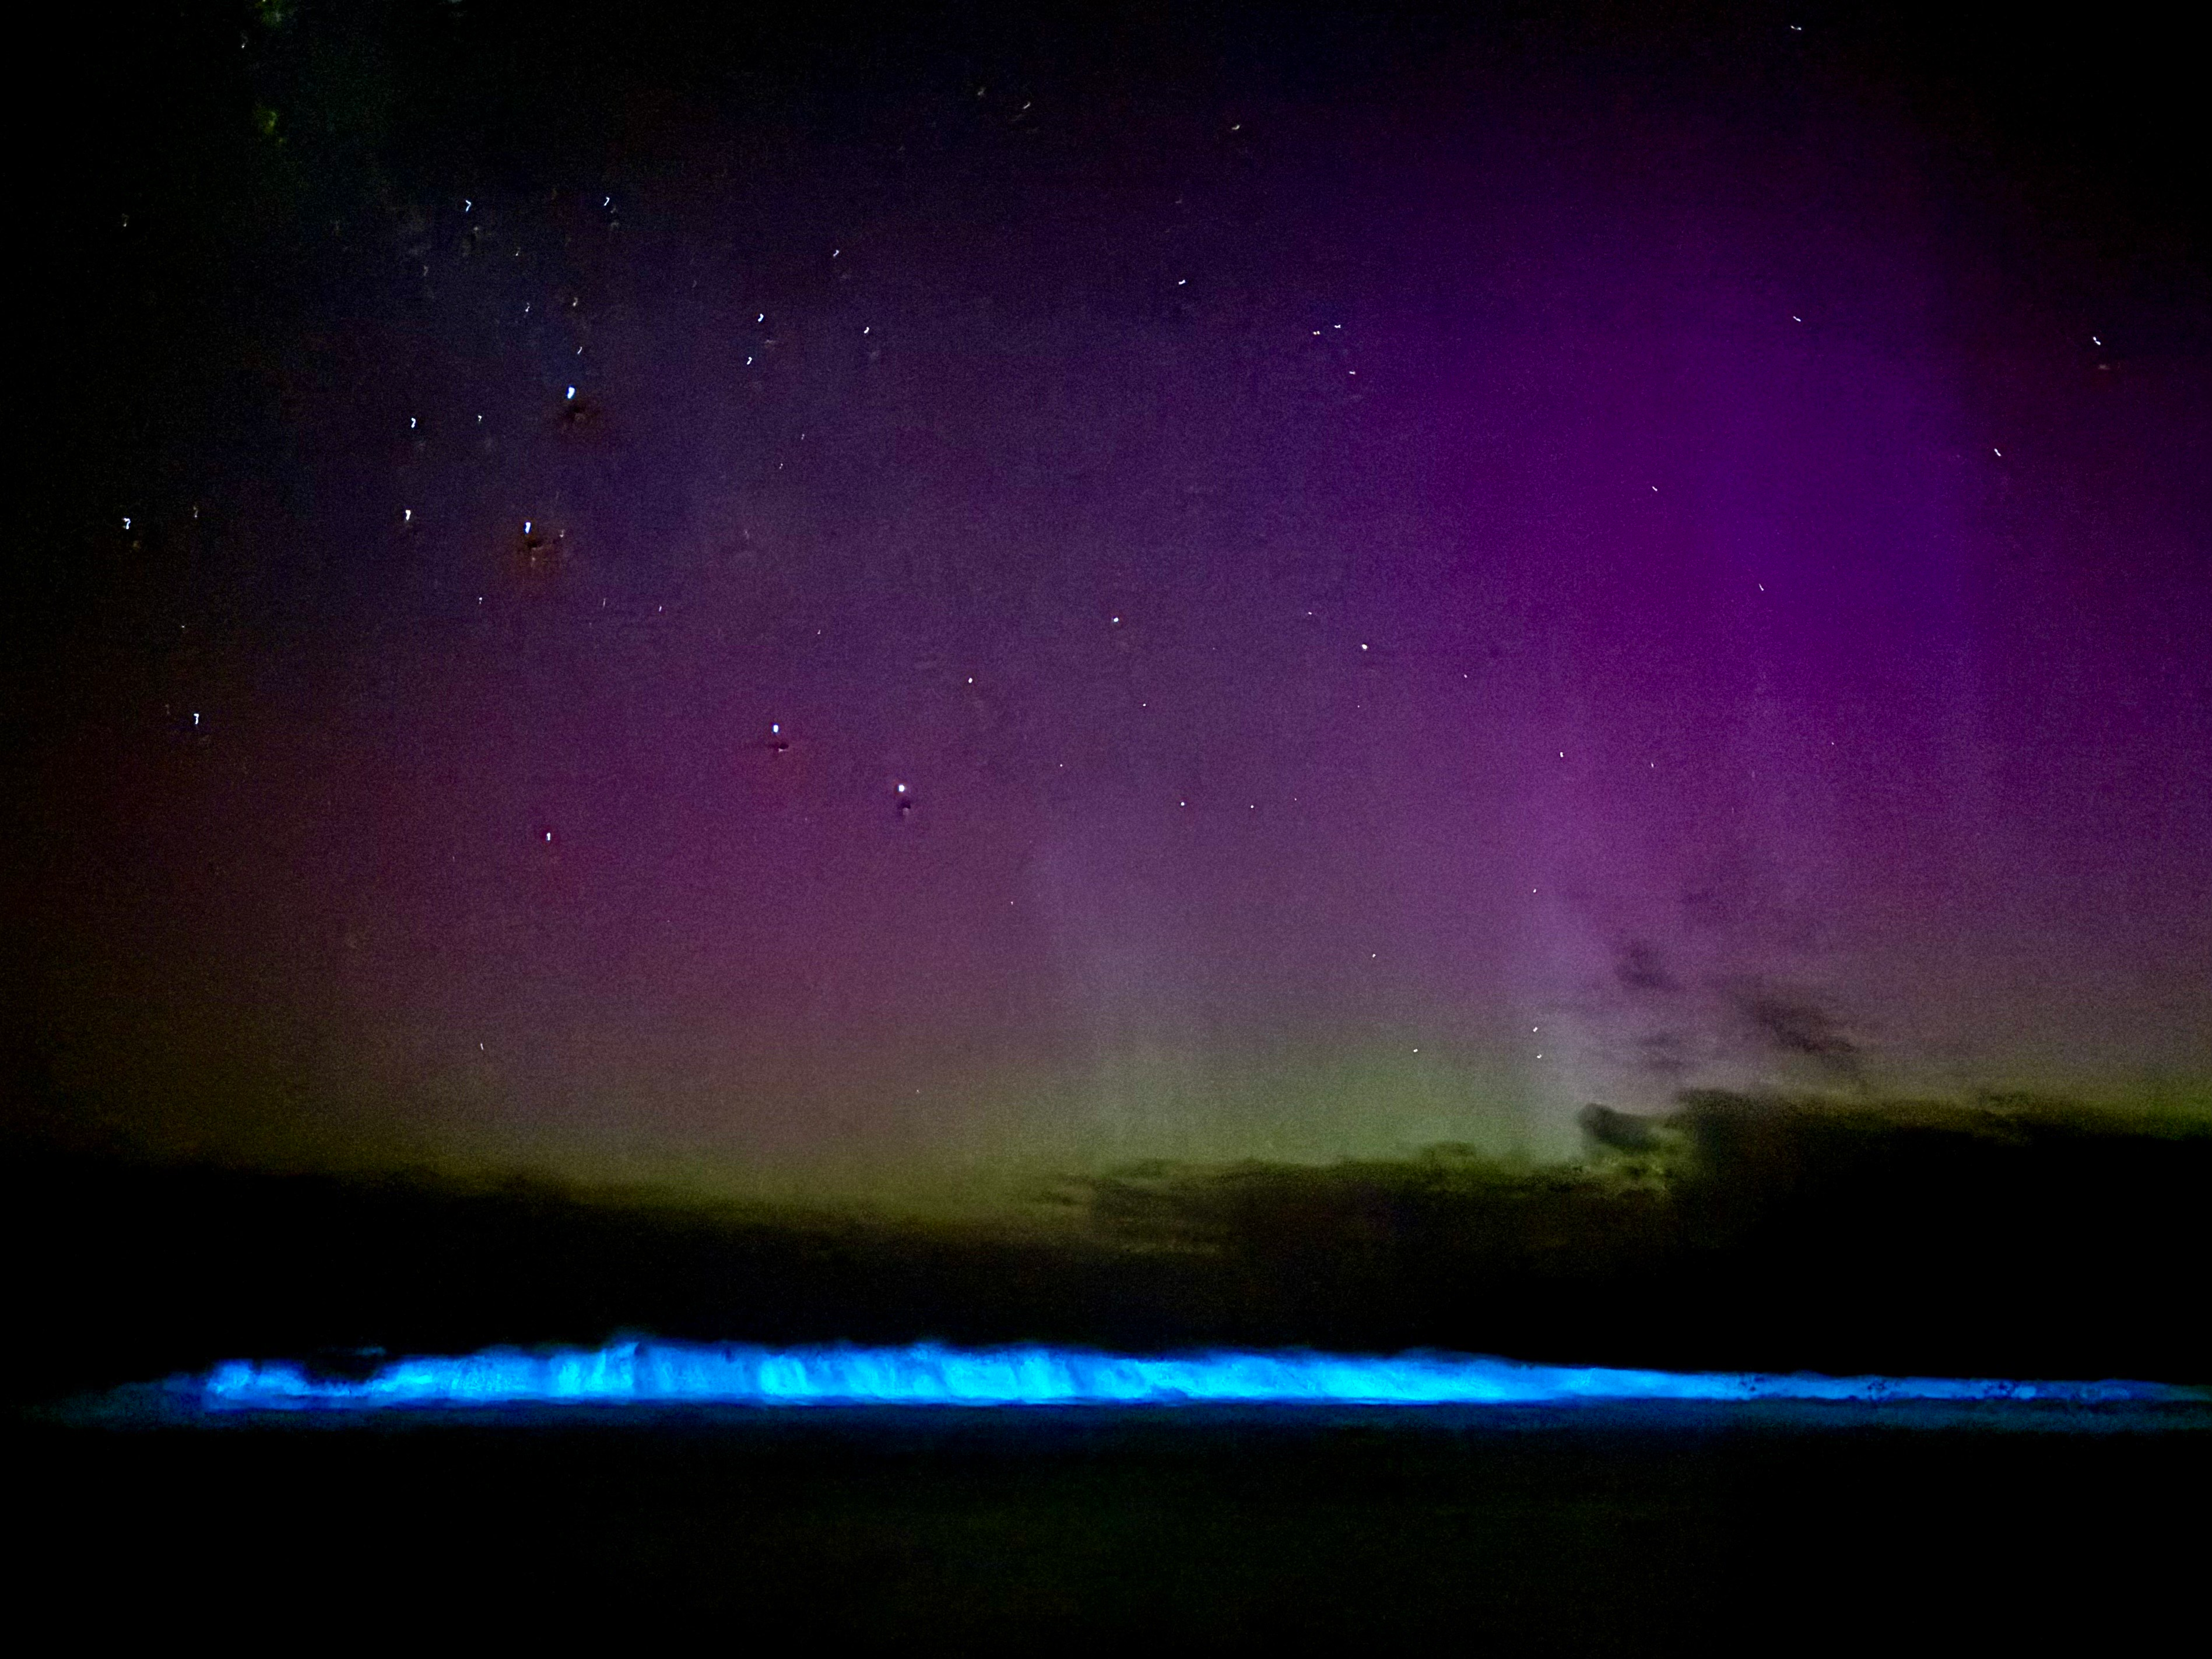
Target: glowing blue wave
x=925 y=1374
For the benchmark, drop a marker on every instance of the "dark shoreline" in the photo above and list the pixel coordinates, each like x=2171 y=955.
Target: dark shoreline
x=1739 y=1235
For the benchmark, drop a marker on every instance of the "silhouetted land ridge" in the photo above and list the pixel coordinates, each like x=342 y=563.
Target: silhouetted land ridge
x=2020 y=1239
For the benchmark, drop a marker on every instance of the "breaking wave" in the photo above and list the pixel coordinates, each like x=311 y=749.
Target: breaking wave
x=649 y=1372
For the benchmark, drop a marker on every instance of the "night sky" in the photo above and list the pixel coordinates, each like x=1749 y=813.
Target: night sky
x=822 y=602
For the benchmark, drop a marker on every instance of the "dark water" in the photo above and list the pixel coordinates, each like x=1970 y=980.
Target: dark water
x=1583 y=1530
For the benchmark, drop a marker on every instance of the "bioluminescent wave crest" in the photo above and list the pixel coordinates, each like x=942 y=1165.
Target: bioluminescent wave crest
x=927 y=1373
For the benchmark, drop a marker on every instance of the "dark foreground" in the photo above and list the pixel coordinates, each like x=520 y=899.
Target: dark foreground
x=1738 y=1235
x=1590 y=1530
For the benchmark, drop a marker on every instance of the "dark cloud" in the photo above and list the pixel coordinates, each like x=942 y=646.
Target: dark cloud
x=1795 y=1026
x=1640 y=968
x=1619 y=1132
x=1665 y=1053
